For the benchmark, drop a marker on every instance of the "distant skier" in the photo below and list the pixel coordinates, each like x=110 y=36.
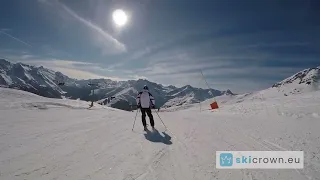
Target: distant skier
x=145 y=102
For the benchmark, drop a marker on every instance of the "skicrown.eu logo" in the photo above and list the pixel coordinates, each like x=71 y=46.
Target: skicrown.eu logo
x=226 y=159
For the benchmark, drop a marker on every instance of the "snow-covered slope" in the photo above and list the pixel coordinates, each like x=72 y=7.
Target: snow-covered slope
x=17 y=99
x=42 y=138
x=48 y=83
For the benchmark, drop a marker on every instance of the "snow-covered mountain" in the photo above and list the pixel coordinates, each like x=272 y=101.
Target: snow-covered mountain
x=38 y=80
x=304 y=81
x=188 y=95
x=119 y=94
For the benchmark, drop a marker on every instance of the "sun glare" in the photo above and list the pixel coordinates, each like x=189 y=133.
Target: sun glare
x=119 y=17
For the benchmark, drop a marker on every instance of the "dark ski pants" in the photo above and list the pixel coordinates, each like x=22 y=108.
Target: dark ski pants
x=148 y=111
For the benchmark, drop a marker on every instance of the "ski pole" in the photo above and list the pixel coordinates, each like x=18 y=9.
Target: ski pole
x=135 y=118
x=161 y=120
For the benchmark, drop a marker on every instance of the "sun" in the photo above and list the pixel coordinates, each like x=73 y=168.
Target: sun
x=119 y=17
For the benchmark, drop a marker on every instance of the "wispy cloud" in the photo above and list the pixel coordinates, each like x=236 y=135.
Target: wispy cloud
x=74 y=69
x=27 y=56
x=57 y=62
x=85 y=70
x=238 y=80
x=15 y=38
x=14 y=55
x=79 y=74
x=104 y=39
x=278 y=44
x=223 y=72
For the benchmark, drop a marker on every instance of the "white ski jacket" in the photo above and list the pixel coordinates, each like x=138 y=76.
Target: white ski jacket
x=145 y=99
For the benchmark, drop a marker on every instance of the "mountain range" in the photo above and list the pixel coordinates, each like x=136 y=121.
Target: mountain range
x=117 y=94
x=121 y=94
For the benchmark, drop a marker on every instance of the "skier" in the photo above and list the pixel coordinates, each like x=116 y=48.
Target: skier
x=145 y=102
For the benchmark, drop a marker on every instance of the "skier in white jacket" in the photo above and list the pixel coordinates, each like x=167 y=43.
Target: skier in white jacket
x=145 y=102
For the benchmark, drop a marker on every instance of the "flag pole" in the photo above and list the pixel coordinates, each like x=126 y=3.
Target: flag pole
x=208 y=85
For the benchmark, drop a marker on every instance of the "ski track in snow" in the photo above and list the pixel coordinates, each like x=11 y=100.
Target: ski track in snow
x=43 y=138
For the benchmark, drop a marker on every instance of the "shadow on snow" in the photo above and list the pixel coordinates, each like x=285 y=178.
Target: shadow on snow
x=155 y=136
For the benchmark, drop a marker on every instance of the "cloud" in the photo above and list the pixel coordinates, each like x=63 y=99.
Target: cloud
x=237 y=85
x=241 y=62
x=221 y=72
x=74 y=69
x=278 y=44
x=5 y=29
x=27 y=56
x=14 y=55
x=15 y=38
x=78 y=74
x=57 y=62
x=85 y=70
x=101 y=37
x=135 y=77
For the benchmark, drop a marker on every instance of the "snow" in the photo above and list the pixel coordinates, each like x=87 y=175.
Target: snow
x=29 y=77
x=6 y=78
x=304 y=81
x=42 y=138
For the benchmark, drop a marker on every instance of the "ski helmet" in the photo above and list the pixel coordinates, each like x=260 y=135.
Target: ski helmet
x=145 y=87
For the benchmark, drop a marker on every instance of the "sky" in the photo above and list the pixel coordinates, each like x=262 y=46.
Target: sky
x=243 y=46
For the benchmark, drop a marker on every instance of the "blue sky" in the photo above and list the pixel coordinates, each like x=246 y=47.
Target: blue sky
x=239 y=45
